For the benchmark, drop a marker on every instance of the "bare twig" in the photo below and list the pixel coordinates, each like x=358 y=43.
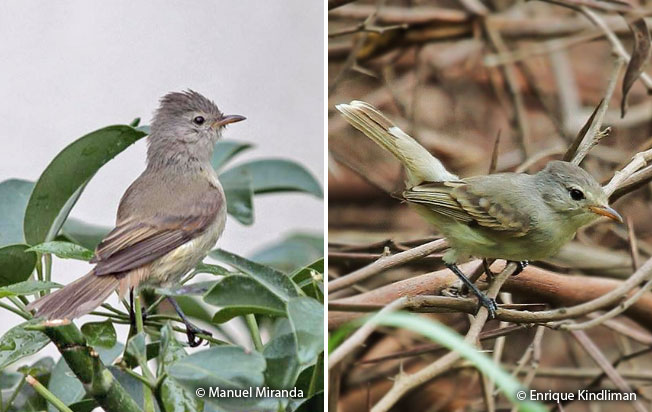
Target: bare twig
x=385 y=263
x=617 y=45
x=595 y=134
x=361 y=334
x=620 y=178
x=405 y=383
x=599 y=358
x=617 y=291
x=509 y=72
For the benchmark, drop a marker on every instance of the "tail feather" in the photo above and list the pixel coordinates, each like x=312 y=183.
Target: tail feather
x=76 y=299
x=420 y=165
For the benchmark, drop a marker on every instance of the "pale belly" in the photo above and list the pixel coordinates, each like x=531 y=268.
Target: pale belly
x=171 y=267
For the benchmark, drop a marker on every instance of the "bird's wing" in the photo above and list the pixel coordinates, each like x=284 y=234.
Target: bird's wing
x=469 y=204
x=150 y=226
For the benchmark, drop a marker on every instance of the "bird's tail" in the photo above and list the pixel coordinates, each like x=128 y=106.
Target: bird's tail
x=76 y=299
x=420 y=165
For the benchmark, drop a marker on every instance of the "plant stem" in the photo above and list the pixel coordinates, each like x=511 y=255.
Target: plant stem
x=148 y=403
x=253 y=330
x=312 y=388
x=47 y=275
x=138 y=313
x=18 y=303
x=18 y=312
x=45 y=393
x=150 y=308
x=85 y=363
x=39 y=269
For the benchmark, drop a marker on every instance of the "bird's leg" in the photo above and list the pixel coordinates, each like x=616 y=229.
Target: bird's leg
x=132 y=314
x=488 y=303
x=191 y=330
x=520 y=266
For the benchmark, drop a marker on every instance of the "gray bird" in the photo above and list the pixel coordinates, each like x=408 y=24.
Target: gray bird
x=513 y=216
x=168 y=219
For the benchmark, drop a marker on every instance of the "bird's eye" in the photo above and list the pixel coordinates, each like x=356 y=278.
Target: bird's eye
x=576 y=194
x=198 y=120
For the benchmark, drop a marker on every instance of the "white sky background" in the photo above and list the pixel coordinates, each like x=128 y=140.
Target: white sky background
x=68 y=68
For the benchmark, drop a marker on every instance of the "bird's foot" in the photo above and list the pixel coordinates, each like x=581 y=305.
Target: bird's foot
x=191 y=330
x=489 y=304
x=520 y=266
x=191 y=333
x=485 y=301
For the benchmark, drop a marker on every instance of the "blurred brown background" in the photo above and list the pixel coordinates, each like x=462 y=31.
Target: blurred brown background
x=455 y=75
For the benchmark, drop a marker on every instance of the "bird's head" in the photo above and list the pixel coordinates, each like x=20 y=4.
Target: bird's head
x=574 y=194
x=187 y=122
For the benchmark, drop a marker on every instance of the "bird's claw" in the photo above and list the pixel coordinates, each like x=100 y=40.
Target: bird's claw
x=191 y=333
x=489 y=304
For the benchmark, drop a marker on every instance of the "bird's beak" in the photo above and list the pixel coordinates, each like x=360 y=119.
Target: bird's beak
x=231 y=118
x=606 y=211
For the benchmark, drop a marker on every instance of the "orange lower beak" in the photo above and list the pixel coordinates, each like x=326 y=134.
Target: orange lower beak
x=231 y=118
x=607 y=212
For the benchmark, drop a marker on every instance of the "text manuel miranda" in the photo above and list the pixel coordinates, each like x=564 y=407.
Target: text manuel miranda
x=254 y=392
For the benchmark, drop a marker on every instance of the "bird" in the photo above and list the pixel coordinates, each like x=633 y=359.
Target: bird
x=518 y=217
x=168 y=219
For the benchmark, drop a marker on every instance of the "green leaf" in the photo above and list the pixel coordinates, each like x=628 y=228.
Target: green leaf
x=9 y=379
x=280 y=353
x=240 y=295
x=175 y=398
x=65 y=385
x=312 y=404
x=100 y=333
x=136 y=346
x=450 y=339
x=63 y=250
x=311 y=378
x=197 y=288
x=239 y=198
x=276 y=175
x=27 y=287
x=293 y=252
x=152 y=352
x=306 y=316
x=42 y=367
x=84 y=234
x=15 y=264
x=311 y=280
x=85 y=405
x=19 y=342
x=212 y=269
x=134 y=387
x=192 y=307
x=14 y=194
x=226 y=367
x=60 y=185
x=225 y=150
x=273 y=280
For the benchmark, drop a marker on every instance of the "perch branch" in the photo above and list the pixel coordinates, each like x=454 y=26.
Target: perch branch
x=85 y=363
x=405 y=383
x=385 y=263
